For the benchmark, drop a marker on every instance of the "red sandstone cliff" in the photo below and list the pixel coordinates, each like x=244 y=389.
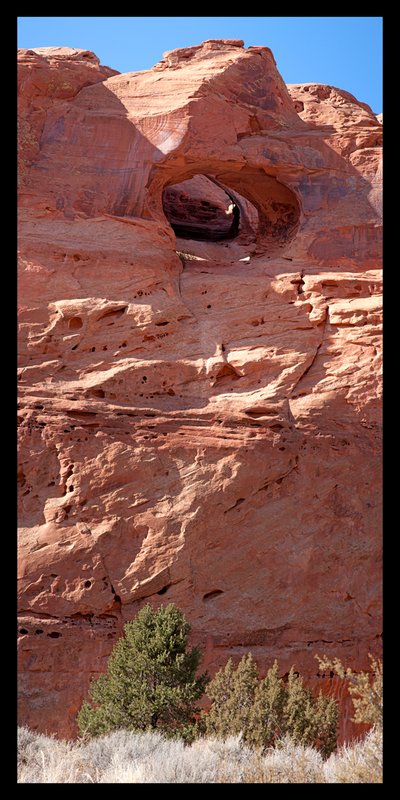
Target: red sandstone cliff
x=201 y=428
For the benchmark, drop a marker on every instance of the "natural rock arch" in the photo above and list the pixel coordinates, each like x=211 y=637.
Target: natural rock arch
x=245 y=204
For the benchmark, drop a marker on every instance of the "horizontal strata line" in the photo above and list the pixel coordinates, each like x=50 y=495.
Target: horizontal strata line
x=37 y=614
x=102 y=617
x=151 y=411
x=287 y=645
x=143 y=420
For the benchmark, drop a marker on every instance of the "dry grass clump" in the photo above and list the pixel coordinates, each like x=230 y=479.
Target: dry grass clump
x=127 y=757
x=359 y=763
x=44 y=759
x=174 y=762
x=287 y=762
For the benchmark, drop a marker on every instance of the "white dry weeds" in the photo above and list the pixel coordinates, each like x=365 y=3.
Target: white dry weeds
x=127 y=757
x=359 y=763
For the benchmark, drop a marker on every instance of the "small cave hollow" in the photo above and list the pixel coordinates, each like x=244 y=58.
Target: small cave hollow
x=211 y=595
x=164 y=589
x=200 y=209
x=75 y=323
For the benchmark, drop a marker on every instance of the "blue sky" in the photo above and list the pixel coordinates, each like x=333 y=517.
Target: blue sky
x=341 y=51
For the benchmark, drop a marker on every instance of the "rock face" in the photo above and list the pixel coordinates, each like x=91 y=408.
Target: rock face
x=199 y=417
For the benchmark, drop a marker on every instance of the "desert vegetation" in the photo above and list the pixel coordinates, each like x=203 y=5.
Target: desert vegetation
x=142 y=723
x=266 y=711
x=128 y=757
x=150 y=681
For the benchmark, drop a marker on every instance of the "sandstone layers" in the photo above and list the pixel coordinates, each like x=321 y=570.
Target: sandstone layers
x=200 y=320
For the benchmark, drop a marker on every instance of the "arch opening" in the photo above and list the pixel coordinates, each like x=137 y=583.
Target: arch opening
x=236 y=209
x=199 y=209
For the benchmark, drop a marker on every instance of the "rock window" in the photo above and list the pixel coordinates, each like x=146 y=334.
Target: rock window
x=199 y=209
x=242 y=208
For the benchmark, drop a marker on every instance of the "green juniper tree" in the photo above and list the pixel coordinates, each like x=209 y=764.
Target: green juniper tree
x=265 y=711
x=232 y=691
x=266 y=723
x=150 y=681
